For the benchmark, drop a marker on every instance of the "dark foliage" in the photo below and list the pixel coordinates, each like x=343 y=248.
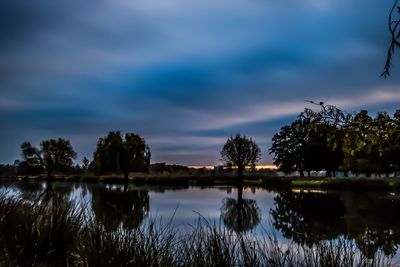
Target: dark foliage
x=240 y=151
x=332 y=140
x=116 y=154
x=52 y=155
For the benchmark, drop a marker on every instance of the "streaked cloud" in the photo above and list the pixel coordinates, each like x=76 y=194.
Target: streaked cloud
x=184 y=74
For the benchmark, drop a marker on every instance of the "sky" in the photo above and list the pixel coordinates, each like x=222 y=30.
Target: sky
x=185 y=75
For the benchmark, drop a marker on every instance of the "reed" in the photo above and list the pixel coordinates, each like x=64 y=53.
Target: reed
x=55 y=232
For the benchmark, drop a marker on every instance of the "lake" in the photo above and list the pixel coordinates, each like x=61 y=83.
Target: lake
x=371 y=220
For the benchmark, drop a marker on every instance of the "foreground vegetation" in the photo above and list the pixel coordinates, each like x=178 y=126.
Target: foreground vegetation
x=50 y=230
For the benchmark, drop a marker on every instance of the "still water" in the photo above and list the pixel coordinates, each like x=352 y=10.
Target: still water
x=370 y=219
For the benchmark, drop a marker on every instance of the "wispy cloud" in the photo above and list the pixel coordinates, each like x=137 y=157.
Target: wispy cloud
x=184 y=74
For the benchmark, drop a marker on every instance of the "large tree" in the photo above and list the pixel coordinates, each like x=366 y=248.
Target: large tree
x=115 y=153
x=240 y=151
x=288 y=146
x=330 y=139
x=369 y=143
x=312 y=142
x=323 y=150
x=52 y=155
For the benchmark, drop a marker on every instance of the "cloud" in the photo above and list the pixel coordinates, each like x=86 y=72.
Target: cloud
x=184 y=74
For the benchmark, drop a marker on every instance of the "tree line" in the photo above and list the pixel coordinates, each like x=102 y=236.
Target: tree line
x=332 y=140
x=115 y=153
x=328 y=139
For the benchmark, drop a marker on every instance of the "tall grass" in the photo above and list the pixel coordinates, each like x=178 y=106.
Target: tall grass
x=35 y=233
x=58 y=233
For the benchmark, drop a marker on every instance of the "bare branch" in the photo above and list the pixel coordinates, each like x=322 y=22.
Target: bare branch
x=395 y=34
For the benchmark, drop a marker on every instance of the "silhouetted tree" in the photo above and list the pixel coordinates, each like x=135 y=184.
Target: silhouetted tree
x=117 y=154
x=391 y=151
x=331 y=139
x=85 y=163
x=367 y=141
x=288 y=146
x=9 y=170
x=24 y=167
x=240 y=151
x=52 y=155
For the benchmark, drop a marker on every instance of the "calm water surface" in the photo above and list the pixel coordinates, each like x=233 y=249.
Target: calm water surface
x=370 y=219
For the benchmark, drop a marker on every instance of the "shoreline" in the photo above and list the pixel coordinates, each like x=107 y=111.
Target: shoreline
x=284 y=182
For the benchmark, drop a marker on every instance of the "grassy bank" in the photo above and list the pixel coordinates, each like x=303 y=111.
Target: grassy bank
x=352 y=183
x=53 y=232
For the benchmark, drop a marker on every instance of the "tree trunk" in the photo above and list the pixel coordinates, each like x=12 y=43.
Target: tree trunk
x=240 y=173
x=301 y=173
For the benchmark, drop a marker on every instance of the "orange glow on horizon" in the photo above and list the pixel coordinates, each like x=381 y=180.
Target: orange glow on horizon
x=258 y=167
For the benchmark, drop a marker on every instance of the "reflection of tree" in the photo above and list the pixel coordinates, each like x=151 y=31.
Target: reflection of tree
x=373 y=221
x=113 y=207
x=30 y=190
x=38 y=190
x=308 y=218
x=61 y=189
x=370 y=241
x=242 y=214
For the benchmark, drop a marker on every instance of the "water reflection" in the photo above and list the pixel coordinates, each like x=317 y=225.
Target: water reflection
x=308 y=218
x=371 y=219
x=111 y=205
x=114 y=206
x=43 y=191
x=240 y=214
x=30 y=190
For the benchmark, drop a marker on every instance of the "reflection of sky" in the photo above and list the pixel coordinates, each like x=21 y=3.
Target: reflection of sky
x=184 y=74
x=194 y=204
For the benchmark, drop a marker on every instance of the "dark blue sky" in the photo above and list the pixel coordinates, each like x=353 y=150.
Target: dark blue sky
x=184 y=74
